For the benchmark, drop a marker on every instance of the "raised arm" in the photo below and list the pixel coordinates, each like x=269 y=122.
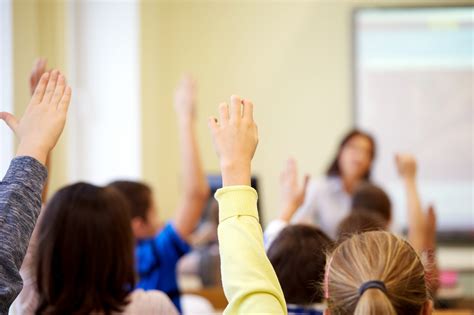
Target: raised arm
x=39 y=68
x=406 y=165
x=20 y=191
x=292 y=197
x=195 y=190
x=250 y=283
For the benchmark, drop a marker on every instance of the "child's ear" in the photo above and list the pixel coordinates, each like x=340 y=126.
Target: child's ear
x=137 y=226
x=427 y=308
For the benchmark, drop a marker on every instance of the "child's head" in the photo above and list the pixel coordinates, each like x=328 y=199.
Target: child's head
x=368 y=197
x=376 y=273
x=298 y=256
x=84 y=260
x=360 y=222
x=144 y=218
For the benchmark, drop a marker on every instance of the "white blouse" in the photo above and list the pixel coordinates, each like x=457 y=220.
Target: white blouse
x=326 y=205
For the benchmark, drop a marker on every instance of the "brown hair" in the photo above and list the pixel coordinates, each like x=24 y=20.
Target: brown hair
x=372 y=198
x=333 y=169
x=138 y=196
x=84 y=260
x=298 y=256
x=360 y=222
x=379 y=256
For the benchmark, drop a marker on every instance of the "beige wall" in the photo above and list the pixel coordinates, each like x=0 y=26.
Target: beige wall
x=292 y=58
x=39 y=29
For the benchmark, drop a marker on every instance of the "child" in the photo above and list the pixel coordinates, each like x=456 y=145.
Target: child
x=157 y=253
x=250 y=283
x=371 y=198
x=82 y=258
x=20 y=190
x=297 y=252
x=376 y=273
x=298 y=255
x=360 y=222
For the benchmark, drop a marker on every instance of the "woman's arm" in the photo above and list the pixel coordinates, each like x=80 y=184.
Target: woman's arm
x=250 y=283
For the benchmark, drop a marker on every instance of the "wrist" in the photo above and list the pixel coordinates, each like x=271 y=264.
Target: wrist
x=34 y=151
x=185 y=119
x=235 y=173
x=288 y=211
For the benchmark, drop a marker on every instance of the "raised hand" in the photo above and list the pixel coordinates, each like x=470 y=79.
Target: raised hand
x=292 y=192
x=43 y=121
x=235 y=138
x=185 y=99
x=406 y=165
x=38 y=70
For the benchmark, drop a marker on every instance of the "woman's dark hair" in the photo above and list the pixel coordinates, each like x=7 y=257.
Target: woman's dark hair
x=371 y=198
x=84 y=260
x=138 y=196
x=334 y=169
x=298 y=256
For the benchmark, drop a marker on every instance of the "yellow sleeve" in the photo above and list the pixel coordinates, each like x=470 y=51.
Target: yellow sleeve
x=250 y=283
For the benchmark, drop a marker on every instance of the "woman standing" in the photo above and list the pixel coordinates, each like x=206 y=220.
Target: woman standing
x=328 y=199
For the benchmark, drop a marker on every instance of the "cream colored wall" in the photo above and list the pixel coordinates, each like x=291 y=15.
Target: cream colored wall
x=292 y=58
x=39 y=30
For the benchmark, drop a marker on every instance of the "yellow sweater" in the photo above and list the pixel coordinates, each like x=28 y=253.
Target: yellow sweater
x=250 y=283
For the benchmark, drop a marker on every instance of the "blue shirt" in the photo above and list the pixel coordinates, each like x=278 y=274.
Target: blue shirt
x=156 y=262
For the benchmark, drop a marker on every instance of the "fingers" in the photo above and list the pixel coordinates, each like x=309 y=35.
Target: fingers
x=58 y=91
x=223 y=113
x=50 y=87
x=65 y=99
x=235 y=107
x=40 y=89
x=306 y=181
x=10 y=120
x=212 y=123
x=248 y=110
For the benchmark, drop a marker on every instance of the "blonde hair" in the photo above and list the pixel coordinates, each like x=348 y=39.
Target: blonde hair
x=375 y=256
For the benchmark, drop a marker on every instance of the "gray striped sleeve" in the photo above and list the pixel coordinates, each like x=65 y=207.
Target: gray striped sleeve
x=20 y=203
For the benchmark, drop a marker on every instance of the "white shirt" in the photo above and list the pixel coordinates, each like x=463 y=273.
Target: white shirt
x=326 y=205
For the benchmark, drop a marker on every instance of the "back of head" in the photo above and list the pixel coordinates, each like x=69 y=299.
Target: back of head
x=84 y=260
x=298 y=256
x=359 y=222
x=138 y=196
x=375 y=273
x=369 y=197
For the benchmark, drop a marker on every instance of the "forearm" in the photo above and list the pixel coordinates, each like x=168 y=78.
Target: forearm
x=195 y=189
x=249 y=281
x=415 y=216
x=20 y=203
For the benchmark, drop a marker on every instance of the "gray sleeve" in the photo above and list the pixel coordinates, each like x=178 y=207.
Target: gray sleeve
x=20 y=203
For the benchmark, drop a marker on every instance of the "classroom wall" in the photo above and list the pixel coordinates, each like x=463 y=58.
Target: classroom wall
x=292 y=58
x=39 y=29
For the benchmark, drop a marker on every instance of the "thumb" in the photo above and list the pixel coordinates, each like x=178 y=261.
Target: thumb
x=10 y=120
x=305 y=182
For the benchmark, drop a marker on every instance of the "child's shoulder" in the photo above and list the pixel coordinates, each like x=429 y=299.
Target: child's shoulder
x=150 y=302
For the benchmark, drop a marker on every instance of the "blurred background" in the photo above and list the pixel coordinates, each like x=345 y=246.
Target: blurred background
x=402 y=70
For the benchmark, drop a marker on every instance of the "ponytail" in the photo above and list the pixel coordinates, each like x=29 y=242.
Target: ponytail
x=375 y=273
x=374 y=302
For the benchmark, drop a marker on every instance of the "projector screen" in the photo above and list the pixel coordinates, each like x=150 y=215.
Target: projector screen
x=413 y=90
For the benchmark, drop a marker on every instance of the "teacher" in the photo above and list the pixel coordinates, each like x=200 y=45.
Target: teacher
x=328 y=199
